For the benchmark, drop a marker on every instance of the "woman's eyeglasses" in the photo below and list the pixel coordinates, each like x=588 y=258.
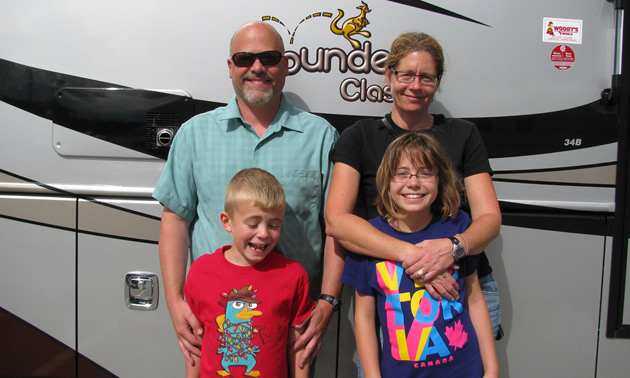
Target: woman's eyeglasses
x=408 y=78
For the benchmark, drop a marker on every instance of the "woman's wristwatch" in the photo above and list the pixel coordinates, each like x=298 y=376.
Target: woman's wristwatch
x=458 y=249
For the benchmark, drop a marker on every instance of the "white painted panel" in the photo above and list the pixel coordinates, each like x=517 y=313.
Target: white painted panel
x=121 y=340
x=486 y=60
x=549 y=284
x=37 y=276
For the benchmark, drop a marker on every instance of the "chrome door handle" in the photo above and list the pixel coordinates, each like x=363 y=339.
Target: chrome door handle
x=142 y=291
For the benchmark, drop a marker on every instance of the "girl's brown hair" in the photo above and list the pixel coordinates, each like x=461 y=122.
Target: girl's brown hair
x=423 y=151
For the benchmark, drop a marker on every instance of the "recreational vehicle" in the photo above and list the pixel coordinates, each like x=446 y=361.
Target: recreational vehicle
x=93 y=92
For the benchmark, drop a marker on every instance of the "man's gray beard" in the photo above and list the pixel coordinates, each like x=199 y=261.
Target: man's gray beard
x=257 y=97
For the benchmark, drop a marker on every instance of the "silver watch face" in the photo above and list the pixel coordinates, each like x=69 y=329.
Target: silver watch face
x=458 y=251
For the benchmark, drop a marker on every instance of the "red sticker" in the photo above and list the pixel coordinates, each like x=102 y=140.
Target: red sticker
x=562 y=57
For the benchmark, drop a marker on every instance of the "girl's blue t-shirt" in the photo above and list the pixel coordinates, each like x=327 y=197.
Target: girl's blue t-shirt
x=421 y=336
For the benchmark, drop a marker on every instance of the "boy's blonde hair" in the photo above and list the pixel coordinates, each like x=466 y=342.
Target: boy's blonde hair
x=423 y=151
x=256 y=187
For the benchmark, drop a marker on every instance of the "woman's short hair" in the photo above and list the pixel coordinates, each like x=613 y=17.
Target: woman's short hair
x=407 y=43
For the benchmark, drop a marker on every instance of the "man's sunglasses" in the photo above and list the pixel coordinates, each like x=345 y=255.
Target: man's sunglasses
x=267 y=58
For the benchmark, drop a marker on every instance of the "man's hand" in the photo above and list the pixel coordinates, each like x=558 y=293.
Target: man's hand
x=311 y=339
x=187 y=328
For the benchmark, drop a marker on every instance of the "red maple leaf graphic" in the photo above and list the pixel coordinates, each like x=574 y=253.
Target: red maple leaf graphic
x=457 y=337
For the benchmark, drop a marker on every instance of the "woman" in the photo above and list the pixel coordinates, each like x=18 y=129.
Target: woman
x=414 y=71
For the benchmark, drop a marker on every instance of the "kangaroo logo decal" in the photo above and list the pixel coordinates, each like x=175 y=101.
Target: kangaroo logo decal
x=353 y=25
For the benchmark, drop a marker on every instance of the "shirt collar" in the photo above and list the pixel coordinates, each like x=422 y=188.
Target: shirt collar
x=281 y=120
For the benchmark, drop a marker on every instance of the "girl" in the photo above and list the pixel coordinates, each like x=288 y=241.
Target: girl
x=418 y=199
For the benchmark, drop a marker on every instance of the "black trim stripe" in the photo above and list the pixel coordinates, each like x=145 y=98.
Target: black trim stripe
x=79 y=196
x=569 y=221
x=433 y=8
x=554 y=183
x=592 y=124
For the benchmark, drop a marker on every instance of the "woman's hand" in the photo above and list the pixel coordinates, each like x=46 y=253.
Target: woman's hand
x=430 y=265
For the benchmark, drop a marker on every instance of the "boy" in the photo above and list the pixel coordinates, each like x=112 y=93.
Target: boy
x=248 y=297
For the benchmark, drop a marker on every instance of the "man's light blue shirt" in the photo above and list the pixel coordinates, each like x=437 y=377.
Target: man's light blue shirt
x=209 y=149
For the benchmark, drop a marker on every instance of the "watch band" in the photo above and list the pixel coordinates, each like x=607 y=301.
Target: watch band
x=334 y=302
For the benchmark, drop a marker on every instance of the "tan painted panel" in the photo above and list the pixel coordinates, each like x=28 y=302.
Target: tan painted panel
x=54 y=211
x=115 y=221
x=597 y=175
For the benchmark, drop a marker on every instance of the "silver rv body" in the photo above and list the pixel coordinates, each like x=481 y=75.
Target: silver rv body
x=91 y=94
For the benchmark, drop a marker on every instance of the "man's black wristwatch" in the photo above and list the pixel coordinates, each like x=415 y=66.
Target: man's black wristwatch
x=335 y=302
x=458 y=249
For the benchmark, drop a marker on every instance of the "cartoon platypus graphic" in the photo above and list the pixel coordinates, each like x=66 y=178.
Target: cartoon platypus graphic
x=236 y=327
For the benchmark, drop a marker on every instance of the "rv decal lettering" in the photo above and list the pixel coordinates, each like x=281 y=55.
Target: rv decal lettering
x=573 y=142
x=562 y=30
x=361 y=60
x=565 y=30
x=354 y=89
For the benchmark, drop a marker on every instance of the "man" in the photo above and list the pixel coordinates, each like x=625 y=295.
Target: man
x=258 y=128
